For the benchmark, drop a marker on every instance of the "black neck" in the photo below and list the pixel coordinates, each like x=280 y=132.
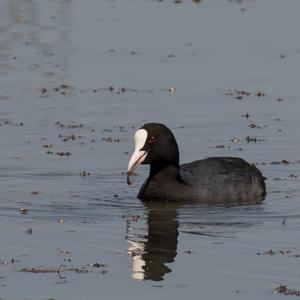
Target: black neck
x=165 y=170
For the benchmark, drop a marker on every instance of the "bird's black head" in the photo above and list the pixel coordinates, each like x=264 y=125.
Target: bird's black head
x=155 y=145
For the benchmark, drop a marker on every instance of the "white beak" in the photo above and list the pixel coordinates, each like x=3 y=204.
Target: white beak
x=138 y=155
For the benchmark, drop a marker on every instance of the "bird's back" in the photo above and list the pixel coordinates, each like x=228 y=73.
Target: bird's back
x=223 y=179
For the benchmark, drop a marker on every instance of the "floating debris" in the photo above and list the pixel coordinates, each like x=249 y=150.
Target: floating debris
x=110 y=88
x=235 y=140
x=120 y=90
x=271 y=252
x=293 y=175
x=23 y=211
x=64 y=89
x=47 y=146
x=97 y=264
x=284 y=290
x=107 y=130
x=240 y=94
x=172 y=90
x=69 y=126
x=282 y=162
x=246 y=115
x=260 y=94
x=3 y=262
x=29 y=231
x=35 y=193
x=284 y=252
x=63 y=153
x=43 y=90
x=64 y=252
x=78 y=270
x=71 y=137
x=219 y=146
x=110 y=140
x=253 y=139
x=225 y=147
x=253 y=125
x=89 y=222
x=13 y=260
x=41 y=270
x=237 y=94
x=84 y=173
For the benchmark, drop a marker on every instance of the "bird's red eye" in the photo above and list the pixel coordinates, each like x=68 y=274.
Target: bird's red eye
x=151 y=140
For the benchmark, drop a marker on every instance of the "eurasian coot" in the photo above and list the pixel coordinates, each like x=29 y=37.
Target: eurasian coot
x=215 y=180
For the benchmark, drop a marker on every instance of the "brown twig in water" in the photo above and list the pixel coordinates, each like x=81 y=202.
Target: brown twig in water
x=59 y=274
x=284 y=221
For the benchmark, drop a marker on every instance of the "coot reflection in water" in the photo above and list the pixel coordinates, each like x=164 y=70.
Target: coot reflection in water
x=159 y=247
x=154 y=252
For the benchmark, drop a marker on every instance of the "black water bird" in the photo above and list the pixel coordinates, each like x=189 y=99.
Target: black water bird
x=214 y=180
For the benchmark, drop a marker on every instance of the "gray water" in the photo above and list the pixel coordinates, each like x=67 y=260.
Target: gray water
x=121 y=64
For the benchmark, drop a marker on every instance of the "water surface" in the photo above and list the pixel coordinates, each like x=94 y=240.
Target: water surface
x=77 y=78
